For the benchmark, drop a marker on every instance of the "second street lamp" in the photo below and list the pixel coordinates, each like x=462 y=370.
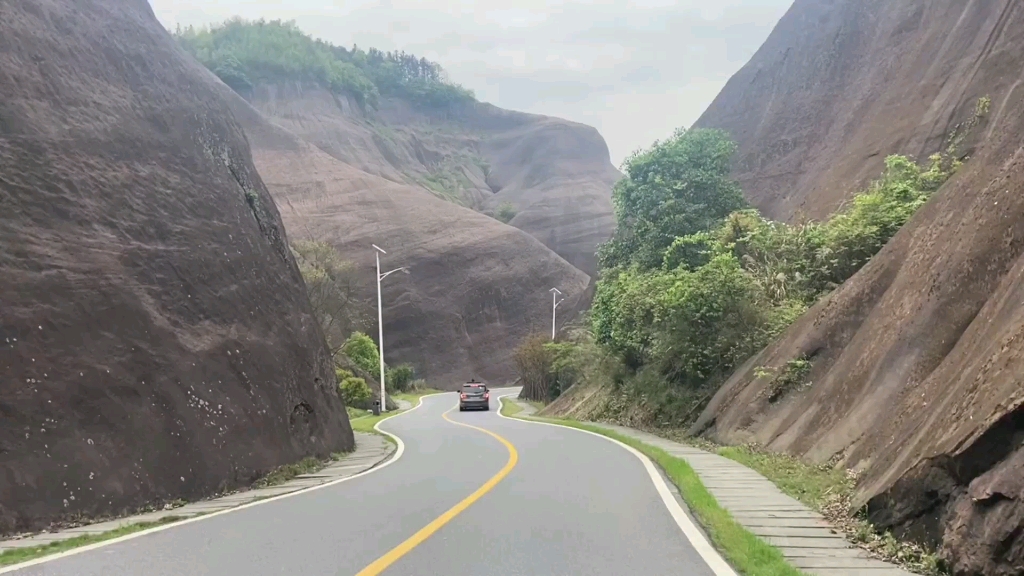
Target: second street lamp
x=555 y=293
x=380 y=322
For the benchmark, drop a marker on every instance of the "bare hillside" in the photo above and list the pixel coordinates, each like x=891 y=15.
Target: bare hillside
x=156 y=341
x=838 y=85
x=556 y=174
x=917 y=359
x=476 y=286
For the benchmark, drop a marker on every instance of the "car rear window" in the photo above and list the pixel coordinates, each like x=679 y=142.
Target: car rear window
x=473 y=387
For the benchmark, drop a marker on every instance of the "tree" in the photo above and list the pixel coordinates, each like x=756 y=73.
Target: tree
x=533 y=363
x=678 y=187
x=331 y=286
x=363 y=352
x=244 y=53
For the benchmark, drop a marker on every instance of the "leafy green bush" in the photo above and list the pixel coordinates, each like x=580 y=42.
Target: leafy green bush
x=678 y=187
x=354 y=391
x=363 y=352
x=694 y=284
x=626 y=305
x=804 y=261
x=791 y=376
x=399 y=378
x=243 y=53
x=505 y=212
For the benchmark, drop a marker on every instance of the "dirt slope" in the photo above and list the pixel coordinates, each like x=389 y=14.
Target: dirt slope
x=476 y=286
x=917 y=360
x=155 y=338
x=557 y=174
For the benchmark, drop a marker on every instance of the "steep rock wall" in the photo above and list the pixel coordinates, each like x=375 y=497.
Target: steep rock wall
x=916 y=377
x=156 y=341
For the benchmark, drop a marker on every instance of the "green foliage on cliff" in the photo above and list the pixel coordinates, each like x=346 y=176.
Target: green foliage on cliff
x=694 y=283
x=677 y=187
x=247 y=53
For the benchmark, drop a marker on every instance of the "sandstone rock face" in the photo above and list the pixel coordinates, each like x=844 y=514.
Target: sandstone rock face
x=917 y=358
x=839 y=85
x=555 y=173
x=156 y=341
x=476 y=287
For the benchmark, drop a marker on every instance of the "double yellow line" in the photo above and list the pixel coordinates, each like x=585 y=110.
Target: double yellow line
x=427 y=531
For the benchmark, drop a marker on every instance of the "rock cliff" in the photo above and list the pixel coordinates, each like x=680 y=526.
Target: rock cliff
x=916 y=360
x=156 y=341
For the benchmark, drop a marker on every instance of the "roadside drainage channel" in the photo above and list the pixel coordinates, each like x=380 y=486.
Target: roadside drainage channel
x=371 y=450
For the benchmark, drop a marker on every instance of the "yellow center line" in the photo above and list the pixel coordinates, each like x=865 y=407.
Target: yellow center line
x=392 y=556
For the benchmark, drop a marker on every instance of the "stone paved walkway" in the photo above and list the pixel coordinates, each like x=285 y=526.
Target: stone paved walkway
x=803 y=536
x=371 y=450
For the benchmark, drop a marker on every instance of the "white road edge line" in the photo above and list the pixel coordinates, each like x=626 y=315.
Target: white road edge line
x=394 y=458
x=696 y=537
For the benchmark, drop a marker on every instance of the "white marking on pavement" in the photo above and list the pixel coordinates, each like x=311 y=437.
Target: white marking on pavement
x=697 y=539
x=398 y=454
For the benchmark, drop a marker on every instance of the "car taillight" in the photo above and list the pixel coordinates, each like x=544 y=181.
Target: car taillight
x=463 y=395
x=487 y=396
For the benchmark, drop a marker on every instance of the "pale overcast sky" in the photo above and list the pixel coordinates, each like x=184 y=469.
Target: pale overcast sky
x=634 y=69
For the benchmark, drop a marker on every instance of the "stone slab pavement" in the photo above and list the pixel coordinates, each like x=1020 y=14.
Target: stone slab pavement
x=803 y=536
x=371 y=450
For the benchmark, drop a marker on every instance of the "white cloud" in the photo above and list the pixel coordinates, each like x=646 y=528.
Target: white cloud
x=634 y=69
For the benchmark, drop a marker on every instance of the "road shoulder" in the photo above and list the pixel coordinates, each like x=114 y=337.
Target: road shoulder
x=802 y=538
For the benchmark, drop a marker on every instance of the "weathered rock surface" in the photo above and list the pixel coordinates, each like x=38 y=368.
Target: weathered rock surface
x=917 y=359
x=155 y=338
x=475 y=288
x=555 y=173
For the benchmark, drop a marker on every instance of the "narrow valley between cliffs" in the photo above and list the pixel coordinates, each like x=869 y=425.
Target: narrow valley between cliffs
x=268 y=300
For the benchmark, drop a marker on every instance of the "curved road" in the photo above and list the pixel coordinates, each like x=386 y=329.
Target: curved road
x=572 y=503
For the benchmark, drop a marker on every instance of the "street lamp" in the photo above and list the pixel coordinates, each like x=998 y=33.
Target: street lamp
x=555 y=293
x=380 y=321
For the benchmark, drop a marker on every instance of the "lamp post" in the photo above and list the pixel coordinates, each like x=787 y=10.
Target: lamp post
x=555 y=293
x=380 y=321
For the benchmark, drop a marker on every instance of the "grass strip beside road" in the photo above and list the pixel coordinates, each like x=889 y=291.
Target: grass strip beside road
x=19 y=555
x=746 y=552
x=368 y=422
x=509 y=407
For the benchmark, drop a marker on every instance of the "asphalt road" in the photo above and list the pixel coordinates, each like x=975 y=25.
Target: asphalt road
x=572 y=504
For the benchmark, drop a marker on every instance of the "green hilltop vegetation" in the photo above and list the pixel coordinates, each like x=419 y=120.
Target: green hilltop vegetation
x=694 y=282
x=246 y=53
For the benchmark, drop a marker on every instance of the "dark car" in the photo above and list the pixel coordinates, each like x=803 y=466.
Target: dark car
x=474 y=396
